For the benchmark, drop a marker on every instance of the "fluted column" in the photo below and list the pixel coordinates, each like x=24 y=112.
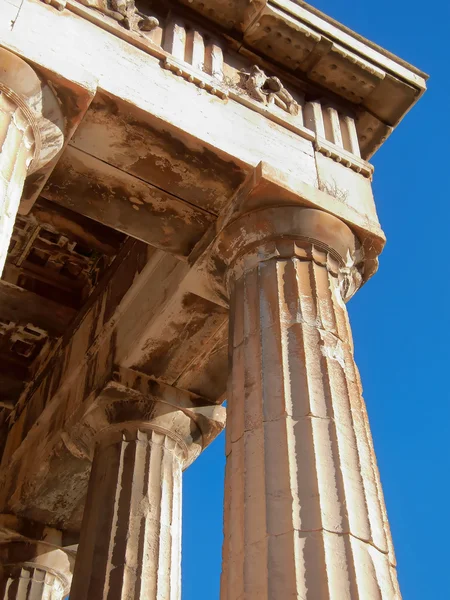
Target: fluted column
x=304 y=511
x=130 y=546
x=30 y=568
x=30 y=581
x=28 y=138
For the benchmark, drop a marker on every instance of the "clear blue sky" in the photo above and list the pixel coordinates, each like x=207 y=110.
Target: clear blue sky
x=400 y=321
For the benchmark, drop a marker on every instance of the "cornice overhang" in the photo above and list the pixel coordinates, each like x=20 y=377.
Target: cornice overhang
x=306 y=42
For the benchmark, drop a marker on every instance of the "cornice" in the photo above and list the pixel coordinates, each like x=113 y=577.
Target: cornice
x=313 y=46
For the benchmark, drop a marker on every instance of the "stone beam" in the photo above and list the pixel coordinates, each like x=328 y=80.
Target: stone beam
x=111 y=196
x=175 y=333
x=149 y=149
x=22 y=307
x=176 y=324
x=328 y=55
x=207 y=138
x=103 y=240
x=228 y=128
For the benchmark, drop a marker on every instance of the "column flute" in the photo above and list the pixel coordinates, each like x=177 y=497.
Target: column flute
x=130 y=541
x=34 y=569
x=304 y=509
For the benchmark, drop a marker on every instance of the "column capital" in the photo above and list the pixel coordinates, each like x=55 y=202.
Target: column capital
x=33 y=565
x=28 y=575
x=31 y=135
x=144 y=433
x=165 y=432
x=293 y=231
x=23 y=89
x=132 y=405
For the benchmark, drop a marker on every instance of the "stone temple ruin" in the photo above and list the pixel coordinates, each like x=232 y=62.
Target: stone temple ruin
x=185 y=209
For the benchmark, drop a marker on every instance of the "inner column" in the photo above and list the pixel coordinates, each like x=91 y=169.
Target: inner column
x=34 y=569
x=130 y=546
x=31 y=582
x=304 y=511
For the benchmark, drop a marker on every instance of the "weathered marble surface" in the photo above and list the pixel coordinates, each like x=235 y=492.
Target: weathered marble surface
x=178 y=169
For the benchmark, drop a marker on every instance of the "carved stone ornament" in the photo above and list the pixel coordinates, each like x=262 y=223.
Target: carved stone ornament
x=125 y=12
x=58 y=4
x=269 y=90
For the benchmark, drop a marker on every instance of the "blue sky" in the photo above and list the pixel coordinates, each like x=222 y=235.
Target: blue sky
x=400 y=320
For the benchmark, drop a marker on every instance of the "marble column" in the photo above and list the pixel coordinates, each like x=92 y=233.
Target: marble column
x=29 y=138
x=29 y=581
x=19 y=142
x=33 y=569
x=130 y=545
x=304 y=510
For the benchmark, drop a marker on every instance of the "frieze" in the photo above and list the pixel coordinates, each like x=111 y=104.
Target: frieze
x=269 y=90
x=190 y=52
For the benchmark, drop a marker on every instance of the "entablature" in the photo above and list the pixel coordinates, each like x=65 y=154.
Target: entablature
x=317 y=49
x=215 y=46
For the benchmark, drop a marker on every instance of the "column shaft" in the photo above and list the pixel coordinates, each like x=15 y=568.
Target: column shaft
x=17 y=147
x=130 y=546
x=31 y=582
x=304 y=512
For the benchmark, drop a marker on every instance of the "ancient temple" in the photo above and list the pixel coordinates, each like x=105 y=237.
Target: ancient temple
x=185 y=209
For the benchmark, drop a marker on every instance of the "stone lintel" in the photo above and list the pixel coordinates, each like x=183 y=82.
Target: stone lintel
x=21 y=307
x=299 y=42
x=14 y=528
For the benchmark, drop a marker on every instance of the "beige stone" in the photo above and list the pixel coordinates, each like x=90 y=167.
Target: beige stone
x=30 y=582
x=304 y=512
x=26 y=138
x=131 y=541
x=33 y=569
x=186 y=198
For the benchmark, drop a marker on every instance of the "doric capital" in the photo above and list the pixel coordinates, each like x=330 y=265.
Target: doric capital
x=171 y=436
x=293 y=231
x=34 y=105
x=171 y=428
x=31 y=581
x=132 y=406
x=33 y=561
